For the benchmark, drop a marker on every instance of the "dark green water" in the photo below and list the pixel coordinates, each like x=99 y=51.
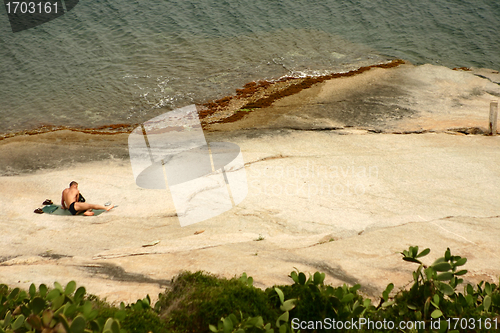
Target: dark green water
x=117 y=61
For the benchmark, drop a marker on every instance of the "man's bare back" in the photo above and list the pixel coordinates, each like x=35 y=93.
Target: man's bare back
x=69 y=200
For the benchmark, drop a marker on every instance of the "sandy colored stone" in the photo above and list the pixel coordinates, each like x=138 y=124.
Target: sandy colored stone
x=323 y=196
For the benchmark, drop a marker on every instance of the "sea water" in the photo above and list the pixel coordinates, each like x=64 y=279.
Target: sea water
x=123 y=61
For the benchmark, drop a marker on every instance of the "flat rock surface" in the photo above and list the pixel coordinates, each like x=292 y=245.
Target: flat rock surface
x=323 y=196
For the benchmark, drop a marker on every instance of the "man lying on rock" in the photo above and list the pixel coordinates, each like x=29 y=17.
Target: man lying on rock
x=72 y=195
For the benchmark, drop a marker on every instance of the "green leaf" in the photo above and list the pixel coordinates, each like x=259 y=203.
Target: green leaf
x=18 y=323
x=13 y=293
x=347 y=298
x=37 y=305
x=436 y=300
x=53 y=294
x=411 y=307
x=78 y=325
x=7 y=319
x=487 y=288
x=294 y=276
x=86 y=309
x=442 y=267
x=357 y=311
x=254 y=322
x=414 y=251
x=93 y=314
x=284 y=317
x=355 y=288
x=470 y=289
x=280 y=294
x=121 y=315
x=43 y=290
x=429 y=272
x=32 y=290
x=447 y=254
x=47 y=317
x=423 y=253
x=319 y=278
x=70 y=288
x=22 y=296
x=80 y=292
x=388 y=289
x=487 y=303
x=462 y=272
x=227 y=325
x=446 y=289
x=436 y=313
x=444 y=276
x=250 y=281
x=367 y=302
x=439 y=260
x=410 y=259
x=70 y=310
x=58 y=302
x=233 y=318
x=213 y=328
x=58 y=286
x=302 y=278
x=389 y=303
x=461 y=262
x=288 y=305
x=64 y=321
x=112 y=326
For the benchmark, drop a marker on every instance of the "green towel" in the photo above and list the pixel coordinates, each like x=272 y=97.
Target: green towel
x=57 y=210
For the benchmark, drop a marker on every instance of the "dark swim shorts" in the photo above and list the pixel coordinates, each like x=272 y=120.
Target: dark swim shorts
x=72 y=209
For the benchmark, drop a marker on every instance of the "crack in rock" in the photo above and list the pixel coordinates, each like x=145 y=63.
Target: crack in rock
x=4 y=259
x=487 y=78
x=117 y=273
x=54 y=256
x=268 y=158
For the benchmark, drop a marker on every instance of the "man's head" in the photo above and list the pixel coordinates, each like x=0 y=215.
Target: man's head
x=73 y=183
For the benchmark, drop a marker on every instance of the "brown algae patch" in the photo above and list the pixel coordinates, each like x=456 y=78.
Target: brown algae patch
x=261 y=94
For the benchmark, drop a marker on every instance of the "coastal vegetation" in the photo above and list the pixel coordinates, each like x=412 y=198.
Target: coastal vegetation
x=438 y=301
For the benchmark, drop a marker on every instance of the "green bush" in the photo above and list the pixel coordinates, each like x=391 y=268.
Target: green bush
x=196 y=300
x=316 y=301
x=60 y=310
x=432 y=297
x=143 y=321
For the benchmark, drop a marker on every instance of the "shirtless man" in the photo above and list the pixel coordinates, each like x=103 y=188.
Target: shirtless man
x=71 y=194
